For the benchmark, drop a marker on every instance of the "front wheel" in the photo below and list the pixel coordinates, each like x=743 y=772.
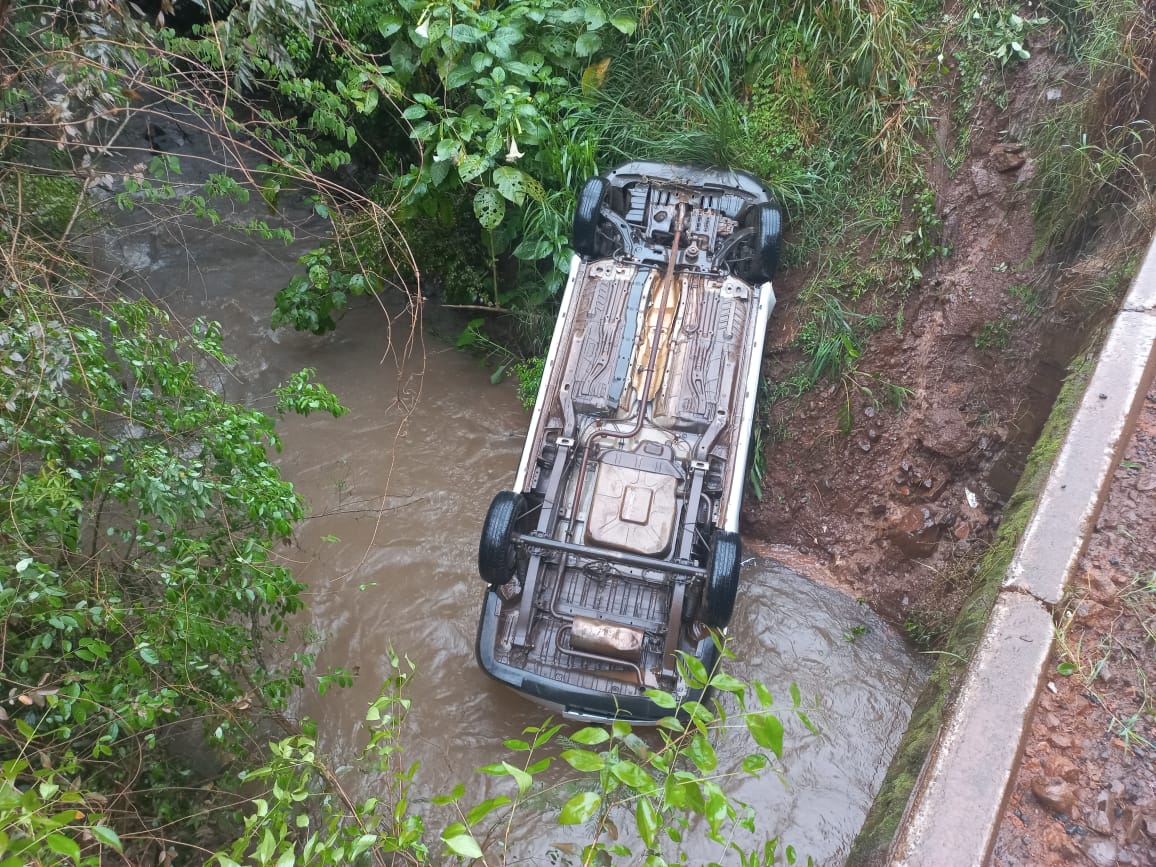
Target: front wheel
x=496 y=552
x=722 y=578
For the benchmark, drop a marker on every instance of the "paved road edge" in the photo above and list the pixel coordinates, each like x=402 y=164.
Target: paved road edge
x=957 y=805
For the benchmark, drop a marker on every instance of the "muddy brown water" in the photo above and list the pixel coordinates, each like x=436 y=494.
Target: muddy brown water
x=397 y=491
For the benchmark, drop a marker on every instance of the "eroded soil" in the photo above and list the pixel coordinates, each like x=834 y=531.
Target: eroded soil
x=1086 y=788
x=895 y=508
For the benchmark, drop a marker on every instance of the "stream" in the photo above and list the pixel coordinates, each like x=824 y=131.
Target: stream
x=398 y=490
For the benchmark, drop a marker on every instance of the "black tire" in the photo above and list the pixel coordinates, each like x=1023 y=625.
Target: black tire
x=496 y=552
x=722 y=579
x=767 y=221
x=584 y=237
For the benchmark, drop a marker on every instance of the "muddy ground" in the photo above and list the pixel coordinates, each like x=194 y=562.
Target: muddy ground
x=1086 y=788
x=896 y=508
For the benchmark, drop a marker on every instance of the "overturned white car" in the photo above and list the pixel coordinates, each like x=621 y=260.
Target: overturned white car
x=618 y=546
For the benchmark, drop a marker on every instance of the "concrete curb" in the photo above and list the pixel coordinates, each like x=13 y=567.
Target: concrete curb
x=955 y=811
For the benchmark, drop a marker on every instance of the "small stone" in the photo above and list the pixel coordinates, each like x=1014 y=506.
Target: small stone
x=865 y=445
x=915 y=532
x=869 y=412
x=872 y=434
x=1054 y=793
x=1053 y=94
x=1062 y=766
x=1102 y=853
x=1060 y=741
x=1007 y=156
x=1146 y=484
x=962 y=530
x=985 y=182
x=1097 y=818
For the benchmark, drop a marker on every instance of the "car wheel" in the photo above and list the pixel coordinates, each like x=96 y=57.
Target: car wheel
x=722 y=579
x=496 y=551
x=588 y=217
x=767 y=221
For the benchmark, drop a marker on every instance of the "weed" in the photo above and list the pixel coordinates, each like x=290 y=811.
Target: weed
x=854 y=633
x=995 y=335
x=1140 y=599
x=1028 y=298
x=925 y=631
x=897 y=395
x=529 y=376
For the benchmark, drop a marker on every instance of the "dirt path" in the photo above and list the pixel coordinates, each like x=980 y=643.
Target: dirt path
x=1086 y=789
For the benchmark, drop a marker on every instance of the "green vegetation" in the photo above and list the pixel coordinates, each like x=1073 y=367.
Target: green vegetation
x=658 y=794
x=138 y=592
x=140 y=596
x=995 y=335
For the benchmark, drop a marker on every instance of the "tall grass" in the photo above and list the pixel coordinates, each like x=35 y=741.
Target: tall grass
x=799 y=93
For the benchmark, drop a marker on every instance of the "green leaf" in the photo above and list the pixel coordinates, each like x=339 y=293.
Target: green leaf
x=796 y=695
x=647 y=818
x=586 y=44
x=584 y=760
x=479 y=812
x=661 y=698
x=148 y=655
x=694 y=672
x=523 y=779
x=767 y=731
x=1066 y=669
x=65 y=846
x=453 y=796
x=391 y=23
x=107 y=836
x=489 y=207
x=464 y=845
x=415 y=112
x=580 y=808
x=754 y=763
x=717 y=806
x=465 y=33
x=726 y=683
x=595 y=17
x=590 y=736
x=424 y=131
x=624 y=24
x=633 y=776
x=515 y=185
x=702 y=753
x=471 y=166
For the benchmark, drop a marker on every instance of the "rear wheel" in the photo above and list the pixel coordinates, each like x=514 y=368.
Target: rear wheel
x=767 y=221
x=496 y=552
x=722 y=579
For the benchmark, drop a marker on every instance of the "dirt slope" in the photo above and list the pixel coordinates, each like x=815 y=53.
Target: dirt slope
x=890 y=508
